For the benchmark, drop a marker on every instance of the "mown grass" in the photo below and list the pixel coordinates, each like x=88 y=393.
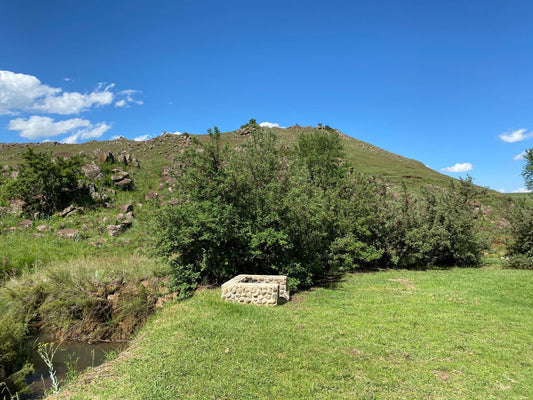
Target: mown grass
x=454 y=334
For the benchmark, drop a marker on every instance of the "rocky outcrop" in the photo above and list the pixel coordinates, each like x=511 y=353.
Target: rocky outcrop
x=121 y=179
x=106 y=156
x=92 y=171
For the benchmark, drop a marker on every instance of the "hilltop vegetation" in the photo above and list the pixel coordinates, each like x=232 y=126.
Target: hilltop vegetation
x=95 y=237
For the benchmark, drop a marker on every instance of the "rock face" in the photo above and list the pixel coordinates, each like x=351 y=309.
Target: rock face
x=92 y=171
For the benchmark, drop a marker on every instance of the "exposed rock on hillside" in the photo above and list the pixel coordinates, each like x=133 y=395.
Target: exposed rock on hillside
x=92 y=171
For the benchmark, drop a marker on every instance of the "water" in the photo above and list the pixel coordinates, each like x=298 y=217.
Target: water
x=71 y=357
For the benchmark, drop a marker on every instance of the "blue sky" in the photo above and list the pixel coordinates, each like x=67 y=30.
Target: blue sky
x=448 y=83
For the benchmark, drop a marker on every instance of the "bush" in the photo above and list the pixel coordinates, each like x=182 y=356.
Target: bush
x=520 y=249
x=265 y=209
x=251 y=210
x=439 y=229
x=45 y=184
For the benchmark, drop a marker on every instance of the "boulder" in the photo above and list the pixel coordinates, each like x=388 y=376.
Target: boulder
x=68 y=233
x=106 y=156
x=92 y=171
x=119 y=175
x=124 y=183
x=17 y=206
x=125 y=208
x=25 y=223
x=151 y=195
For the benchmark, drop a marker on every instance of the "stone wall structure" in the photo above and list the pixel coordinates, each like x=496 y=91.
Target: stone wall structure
x=256 y=289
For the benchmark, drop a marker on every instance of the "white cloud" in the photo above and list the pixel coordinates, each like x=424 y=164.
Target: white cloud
x=115 y=137
x=21 y=92
x=37 y=127
x=128 y=98
x=73 y=102
x=522 y=190
x=464 y=167
x=501 y=190
x=142 y=138
x=94 y=132
x=520 y=156
x=26 y=93
x=269 y=125
x=515 y=136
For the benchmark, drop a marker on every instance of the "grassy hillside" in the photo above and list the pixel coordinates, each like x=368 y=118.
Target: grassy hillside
x=455 y=334
x=363 y=157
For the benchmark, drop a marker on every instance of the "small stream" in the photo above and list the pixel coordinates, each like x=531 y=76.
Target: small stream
x=71 y=357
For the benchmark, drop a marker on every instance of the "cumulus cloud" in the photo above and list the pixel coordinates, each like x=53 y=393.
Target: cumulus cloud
x=37 y=127
x=142 y=138
x=520 y=156
x=269 y=125
x=515 y=136
x=464 y=167
x=501 y=190
x=26 y=93
x=521 y=190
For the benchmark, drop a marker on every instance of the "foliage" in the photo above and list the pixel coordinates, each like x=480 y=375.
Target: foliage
x=46 y=184
x=13 y=330
x=439 y=229
x=47 y=352
x=250 y=210
x=527 y=172
x=520 y=248
x=265 y=209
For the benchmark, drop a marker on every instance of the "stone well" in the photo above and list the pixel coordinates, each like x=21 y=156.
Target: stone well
x=256 y=289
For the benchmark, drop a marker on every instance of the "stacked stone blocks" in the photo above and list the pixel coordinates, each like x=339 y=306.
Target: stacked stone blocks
x=256 y=289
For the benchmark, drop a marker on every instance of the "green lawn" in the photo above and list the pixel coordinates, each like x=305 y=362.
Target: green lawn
x=453 y=334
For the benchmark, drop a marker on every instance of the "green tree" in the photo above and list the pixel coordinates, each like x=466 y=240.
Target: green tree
x=527 y=172
x=521 y=247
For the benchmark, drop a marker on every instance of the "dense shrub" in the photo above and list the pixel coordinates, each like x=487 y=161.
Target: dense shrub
x=249 y=210
x=441 y=228
x=45 y=184
x=262 y=208
x=520 y=248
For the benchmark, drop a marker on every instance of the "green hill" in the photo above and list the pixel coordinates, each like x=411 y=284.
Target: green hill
x=156 y=152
